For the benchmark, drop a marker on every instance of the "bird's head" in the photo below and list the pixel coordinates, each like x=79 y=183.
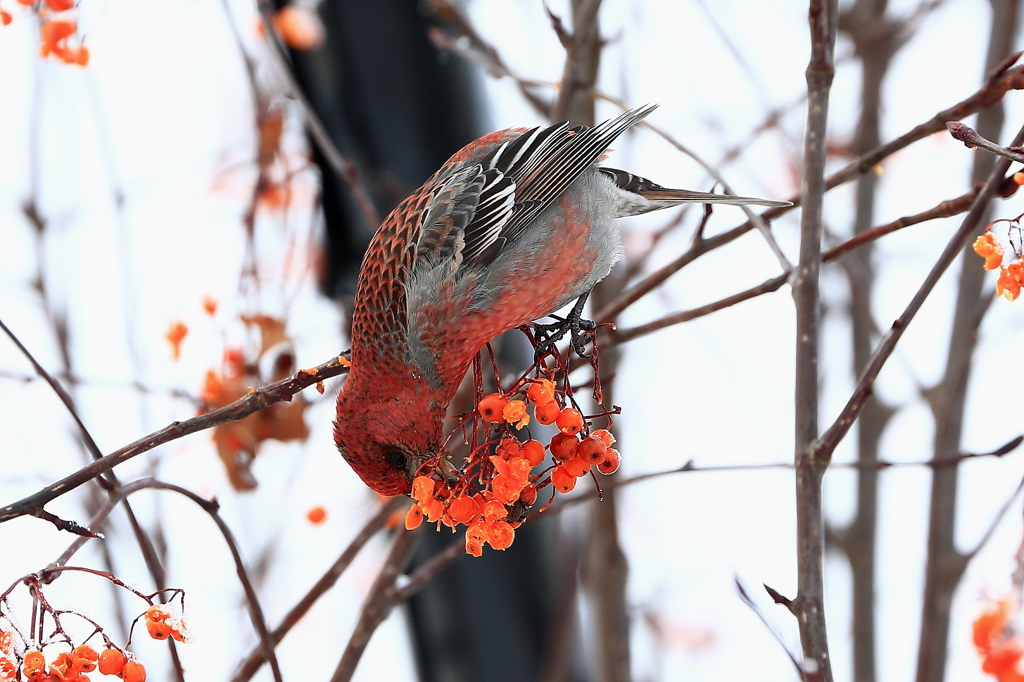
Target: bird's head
x=386 y=441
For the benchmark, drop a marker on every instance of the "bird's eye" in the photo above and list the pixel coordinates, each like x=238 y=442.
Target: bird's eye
x=397 y=459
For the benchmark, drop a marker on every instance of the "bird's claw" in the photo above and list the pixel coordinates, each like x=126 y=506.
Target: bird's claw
x=580 y=333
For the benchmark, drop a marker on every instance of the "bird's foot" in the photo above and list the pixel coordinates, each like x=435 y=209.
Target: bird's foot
x=580 y=332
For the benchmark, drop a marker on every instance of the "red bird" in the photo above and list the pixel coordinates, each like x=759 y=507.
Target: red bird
x=511 y=228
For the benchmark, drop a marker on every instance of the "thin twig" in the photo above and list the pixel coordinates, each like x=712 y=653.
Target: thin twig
x=806 y=674
x=255 y=659
x=475 y=50
x=944 y=209
x=1002 y=80
x=756 y=219
x=110 y=484
x=258 y=399
x=970 y=137
x=835 y=433
x=378 y=605
x=689 y=467
x=1000 y=515
x=259 y=623
x=345 y=169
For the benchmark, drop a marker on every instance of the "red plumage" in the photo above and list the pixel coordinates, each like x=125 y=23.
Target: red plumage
x=511 y=228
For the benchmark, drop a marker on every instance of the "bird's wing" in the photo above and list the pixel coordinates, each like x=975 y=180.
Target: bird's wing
x=464 y=217
x=475 y=211
x=525 y=174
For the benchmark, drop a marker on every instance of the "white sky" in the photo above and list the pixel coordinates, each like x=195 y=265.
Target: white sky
x=162 y=115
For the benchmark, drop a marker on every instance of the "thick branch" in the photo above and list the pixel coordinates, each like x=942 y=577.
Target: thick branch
x=809 y=606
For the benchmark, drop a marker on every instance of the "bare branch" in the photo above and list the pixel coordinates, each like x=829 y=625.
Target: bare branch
x=256 y=657
x=1001 y=81
x=835 y=433
x=971 y=139
x=809 y=605
x=259 y=399
x=378 y=605
x=944 y=209
x=345 y=169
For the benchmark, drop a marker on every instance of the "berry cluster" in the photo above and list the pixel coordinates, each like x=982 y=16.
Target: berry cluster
x=1011 y=277
x=1000 y=650
x=492 y=493
x=72 y=666
x=56 y=30
x=161 y=623
x=23 y=658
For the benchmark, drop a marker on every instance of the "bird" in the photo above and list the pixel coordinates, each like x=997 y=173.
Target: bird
x=511 y=228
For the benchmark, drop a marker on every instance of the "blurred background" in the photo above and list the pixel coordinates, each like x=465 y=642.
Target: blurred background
x=171 y=181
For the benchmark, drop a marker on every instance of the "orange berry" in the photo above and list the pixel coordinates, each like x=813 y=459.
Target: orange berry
x=299 y=27
x=990 y=249
x=60 y=5
x=591 y=450
x=158 y=630
x=61 y=666
x=462 y=509
x=177 y=331
x=158 y=613
x=112 y=661
x=547 y=413
x=577 y=466
x=515 y=413
x=433 y=508
x=528 y=495
x=316 y=515
x=5 y=17
x=605 y=435
x=492 y=408
x=570 y=421
x=1011 y=279
x=413 y=517
x=610 y=463
x=501 y=535
x=473 y=546
x=562 y=479
x=477 y=533
x=54 y=34
x=541 y=391
x=509 y=447
x=493 y=511
x=564 y=446
x=422 y=488
x=533 y=451
x=133 y=671
x=210 y=305
x=85 y=658
x=505 y=490
x=34 y=665
x=519 y=470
